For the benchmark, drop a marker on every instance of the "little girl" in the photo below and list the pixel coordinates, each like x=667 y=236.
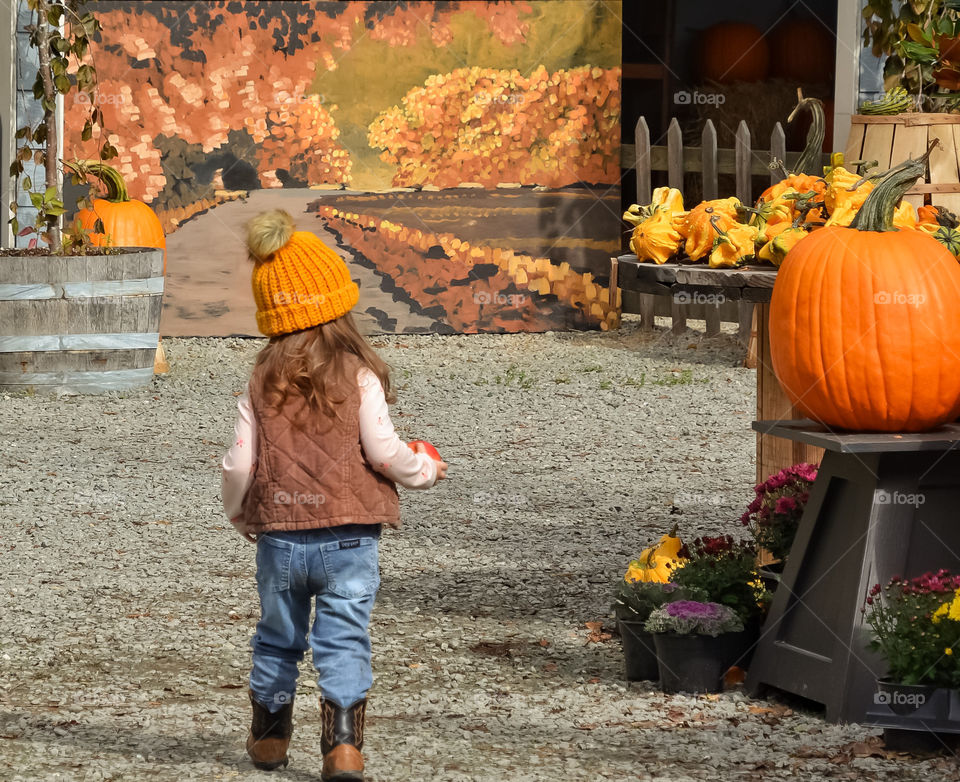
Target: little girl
x=310 y=479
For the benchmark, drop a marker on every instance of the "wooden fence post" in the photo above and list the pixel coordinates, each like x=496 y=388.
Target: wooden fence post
x=708 y=161
x=743 y=187
x=641 y=140
x=675 y=155
x=778 y=151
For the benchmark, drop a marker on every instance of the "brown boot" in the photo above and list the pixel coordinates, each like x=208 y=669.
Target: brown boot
x=341 y=741
x=269 y=735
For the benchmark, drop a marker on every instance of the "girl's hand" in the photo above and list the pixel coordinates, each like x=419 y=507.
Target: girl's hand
x=441 y=465
x=240 y=527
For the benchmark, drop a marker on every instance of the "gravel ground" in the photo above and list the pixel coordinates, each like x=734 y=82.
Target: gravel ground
x=128 y=602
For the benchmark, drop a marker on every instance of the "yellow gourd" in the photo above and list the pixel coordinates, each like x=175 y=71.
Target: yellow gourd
x=656 y=238
x=669 y=198
x=842 y=216
x=777 y=248
x=839 y=181
x=697 y=227
x=664 y=198
x=905 y=216
x=734 y=246
x=657 y=563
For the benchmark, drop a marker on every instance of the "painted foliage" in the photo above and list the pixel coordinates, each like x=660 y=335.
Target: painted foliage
x=463 y=157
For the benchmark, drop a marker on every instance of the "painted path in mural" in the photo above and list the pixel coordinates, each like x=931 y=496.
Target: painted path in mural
x=425 y=261
x=208 y=274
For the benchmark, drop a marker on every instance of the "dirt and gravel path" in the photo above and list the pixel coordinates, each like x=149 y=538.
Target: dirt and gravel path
x=128 y=603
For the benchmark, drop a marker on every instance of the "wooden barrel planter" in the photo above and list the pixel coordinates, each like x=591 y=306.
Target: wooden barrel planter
x=80 y=324
x=891 y=140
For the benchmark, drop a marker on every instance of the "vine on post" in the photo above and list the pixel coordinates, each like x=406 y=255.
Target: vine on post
x=60 y=31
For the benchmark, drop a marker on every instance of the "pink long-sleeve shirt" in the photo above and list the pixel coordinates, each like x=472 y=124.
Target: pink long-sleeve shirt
x=384 y=450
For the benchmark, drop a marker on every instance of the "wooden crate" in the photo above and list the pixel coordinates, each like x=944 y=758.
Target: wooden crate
x=891 y=140
x=775 y=453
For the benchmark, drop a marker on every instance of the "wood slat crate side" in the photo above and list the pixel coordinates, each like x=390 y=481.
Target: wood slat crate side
x=98 y=314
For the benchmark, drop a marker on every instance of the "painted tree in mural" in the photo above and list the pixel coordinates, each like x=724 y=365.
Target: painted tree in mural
x=237 y=77
x=488 y=126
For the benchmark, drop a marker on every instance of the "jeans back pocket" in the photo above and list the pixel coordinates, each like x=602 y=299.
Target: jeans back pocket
x=273 y=563
x=352 y=567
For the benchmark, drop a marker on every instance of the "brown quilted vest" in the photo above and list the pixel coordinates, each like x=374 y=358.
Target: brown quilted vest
x=308 y=481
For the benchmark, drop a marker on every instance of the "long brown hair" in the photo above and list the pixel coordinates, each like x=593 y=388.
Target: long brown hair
x=319 y=365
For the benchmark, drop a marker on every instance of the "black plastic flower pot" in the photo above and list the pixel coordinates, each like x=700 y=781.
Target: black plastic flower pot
x=739 y=647
x=916 y=717
x=639 y=652
x=692 y=663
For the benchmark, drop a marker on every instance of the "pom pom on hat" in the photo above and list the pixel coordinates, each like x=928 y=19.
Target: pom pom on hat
x=268 y=232
x=298 y=282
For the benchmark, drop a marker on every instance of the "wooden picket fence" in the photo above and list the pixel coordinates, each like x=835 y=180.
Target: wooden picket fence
x=676 y=159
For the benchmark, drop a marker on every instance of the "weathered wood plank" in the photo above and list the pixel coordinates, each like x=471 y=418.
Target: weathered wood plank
x=76 y=313
x=909 y=119
x=774 y=453
x=708 y=161
x=700 y=274
x=712 y=320
x=675 y=155
x=643 y=161
x=854 y=150
x=744 y=187
x=678 y=313
x=778 y=151
x=877 y=145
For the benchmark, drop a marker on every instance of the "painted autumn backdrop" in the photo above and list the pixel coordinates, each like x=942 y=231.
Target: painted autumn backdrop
x=464 y=156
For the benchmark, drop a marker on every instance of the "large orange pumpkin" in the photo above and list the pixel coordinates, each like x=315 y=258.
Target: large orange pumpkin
x=126 y=222
x=734 y=51
x=865 y=322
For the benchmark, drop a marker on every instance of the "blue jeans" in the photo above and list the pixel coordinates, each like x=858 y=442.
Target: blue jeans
x=339 y=567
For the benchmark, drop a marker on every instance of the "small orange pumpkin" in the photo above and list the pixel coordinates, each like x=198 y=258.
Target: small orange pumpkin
x=126 y=222
x=700 y=229
x=864 y=325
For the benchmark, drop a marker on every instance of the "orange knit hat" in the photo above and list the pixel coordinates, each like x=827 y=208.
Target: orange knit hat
x=298 y=282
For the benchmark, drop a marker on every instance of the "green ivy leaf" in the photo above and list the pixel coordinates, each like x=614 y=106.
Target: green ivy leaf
x=27 y=183
x=918 y=53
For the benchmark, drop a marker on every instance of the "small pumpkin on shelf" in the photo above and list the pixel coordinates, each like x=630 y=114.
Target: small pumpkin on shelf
x=698 y=228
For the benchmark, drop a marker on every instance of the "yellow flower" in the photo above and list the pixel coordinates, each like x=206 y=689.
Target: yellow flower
x=940 y=613
x=948 y=651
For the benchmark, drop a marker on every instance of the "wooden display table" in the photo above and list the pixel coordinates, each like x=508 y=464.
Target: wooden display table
x=882 y=505
x=687 y=282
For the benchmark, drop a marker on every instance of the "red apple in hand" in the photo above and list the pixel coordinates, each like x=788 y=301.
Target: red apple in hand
x=432 y=452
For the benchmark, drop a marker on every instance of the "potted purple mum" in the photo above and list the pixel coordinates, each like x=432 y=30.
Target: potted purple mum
x=692 y=642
